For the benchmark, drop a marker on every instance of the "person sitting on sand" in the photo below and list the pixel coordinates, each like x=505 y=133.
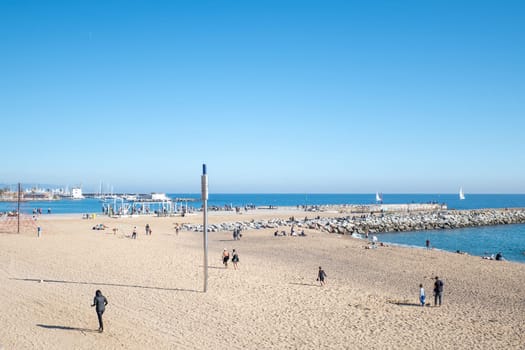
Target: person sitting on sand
x=225 y=257
x=499 y=256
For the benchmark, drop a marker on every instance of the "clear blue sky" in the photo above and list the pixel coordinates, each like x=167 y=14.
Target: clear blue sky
x=275 y=96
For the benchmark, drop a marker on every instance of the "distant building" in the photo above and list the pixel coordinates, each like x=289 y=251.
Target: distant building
x=76 y=193
x=37 y=194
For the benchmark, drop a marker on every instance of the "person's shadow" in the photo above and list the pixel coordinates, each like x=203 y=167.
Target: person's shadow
x=66 y=328
x=306 y=284
x=405 y=303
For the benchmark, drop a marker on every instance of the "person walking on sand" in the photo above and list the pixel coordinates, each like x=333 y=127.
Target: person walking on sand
x=235 y=259
x=422 y=296
x=321 y=276
x=100 y=303
x=438 y=291
x=134 y=234
x=225 y=257
x=147 y=230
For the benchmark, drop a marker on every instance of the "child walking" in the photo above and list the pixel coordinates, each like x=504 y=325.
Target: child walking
x=422 y=296
x=321 y=276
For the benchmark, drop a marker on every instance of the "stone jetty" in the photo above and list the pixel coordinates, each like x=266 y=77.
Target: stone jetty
x=380 y=222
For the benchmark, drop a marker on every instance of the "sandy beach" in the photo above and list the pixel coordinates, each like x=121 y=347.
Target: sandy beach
x=154 y=287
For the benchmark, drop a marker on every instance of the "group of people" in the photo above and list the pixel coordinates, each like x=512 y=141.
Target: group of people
x=226 y=258
x=498 y=257
x=100 y=301
x=147 y=229
x=99 y=227
x=438 y=292
x=39 y=211
x=237 y=234
x=292 y=233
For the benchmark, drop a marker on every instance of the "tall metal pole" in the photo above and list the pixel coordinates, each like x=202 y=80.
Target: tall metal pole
x=18 y=207
x=204 y=188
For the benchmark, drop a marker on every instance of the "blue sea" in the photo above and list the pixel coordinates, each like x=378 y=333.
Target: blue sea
x=508 y=239
x=480 y=241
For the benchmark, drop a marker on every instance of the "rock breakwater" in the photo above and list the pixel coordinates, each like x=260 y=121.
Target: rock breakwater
x=380 y=223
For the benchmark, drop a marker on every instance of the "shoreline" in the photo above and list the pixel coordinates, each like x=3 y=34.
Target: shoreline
x=333 y=221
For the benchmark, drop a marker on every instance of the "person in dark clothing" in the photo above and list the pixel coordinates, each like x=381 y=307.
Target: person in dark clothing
x=321 y=276
x=225 y=257
x=438 y=291
x=235 y=259
x=100 y=302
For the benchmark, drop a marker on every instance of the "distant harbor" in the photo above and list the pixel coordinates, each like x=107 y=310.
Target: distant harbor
x=40 y=194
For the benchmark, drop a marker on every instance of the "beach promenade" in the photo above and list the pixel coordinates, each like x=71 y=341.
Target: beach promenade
x=154 y=288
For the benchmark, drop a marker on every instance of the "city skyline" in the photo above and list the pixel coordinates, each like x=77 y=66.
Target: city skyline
x=275 y=97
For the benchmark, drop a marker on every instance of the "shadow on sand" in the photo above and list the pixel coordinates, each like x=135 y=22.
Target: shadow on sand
x=66 y=328
x=405 y=303
x=215 y=267
x=108 y=284
x=305 y=284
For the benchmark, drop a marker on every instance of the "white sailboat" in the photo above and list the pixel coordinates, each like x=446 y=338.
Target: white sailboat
x=461 y=194
x=379 y=197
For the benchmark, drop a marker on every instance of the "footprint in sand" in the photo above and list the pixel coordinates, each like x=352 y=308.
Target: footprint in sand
x=359 y=306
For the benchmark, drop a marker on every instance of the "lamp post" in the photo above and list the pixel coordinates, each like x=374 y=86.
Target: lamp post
x=18 y=208
x=204 y=191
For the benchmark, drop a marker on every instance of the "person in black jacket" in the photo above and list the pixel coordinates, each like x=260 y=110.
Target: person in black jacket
x=438 y=291
x=321 y=275
x=100 y=302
